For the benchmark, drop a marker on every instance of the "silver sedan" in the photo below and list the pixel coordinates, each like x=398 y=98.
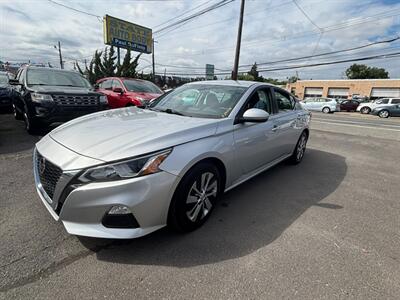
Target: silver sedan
x=127 y=172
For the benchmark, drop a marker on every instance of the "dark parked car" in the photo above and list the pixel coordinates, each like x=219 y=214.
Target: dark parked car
x=387 y=111
x=43 y=96
x=349 y=105
x=5 y=92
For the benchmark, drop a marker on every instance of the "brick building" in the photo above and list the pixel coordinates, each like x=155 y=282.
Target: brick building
x=346 y=88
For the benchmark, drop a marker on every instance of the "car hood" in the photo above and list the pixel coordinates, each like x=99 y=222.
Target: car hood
x=54 y=89
x=127 y=132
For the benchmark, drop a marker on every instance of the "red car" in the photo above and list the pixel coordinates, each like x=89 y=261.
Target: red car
x=122 y=92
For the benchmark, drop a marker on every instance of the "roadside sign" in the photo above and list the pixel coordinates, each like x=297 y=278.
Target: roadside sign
x=209 y=72
x=127 y=35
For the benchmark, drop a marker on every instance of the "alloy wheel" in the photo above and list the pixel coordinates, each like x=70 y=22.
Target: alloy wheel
x=326 y=110
x=27 y=122
x=365 y=110
x=199 y=200
x=384 y=114
x=301 y=147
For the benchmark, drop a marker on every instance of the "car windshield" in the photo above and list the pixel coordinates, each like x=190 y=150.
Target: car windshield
x=56 y=78
x=200 y=100
x=141 y=86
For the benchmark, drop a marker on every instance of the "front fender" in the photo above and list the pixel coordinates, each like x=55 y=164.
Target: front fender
x=185 y=156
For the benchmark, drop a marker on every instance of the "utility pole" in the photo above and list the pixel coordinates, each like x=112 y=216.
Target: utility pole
x=153 y=62
x=59 y=52
x=238 y=42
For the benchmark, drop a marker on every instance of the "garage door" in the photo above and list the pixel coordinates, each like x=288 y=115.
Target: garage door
x=338 y=93
x=385 y=93
x=313 y=92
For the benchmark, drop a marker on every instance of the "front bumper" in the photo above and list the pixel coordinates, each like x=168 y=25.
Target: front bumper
x=82 y=209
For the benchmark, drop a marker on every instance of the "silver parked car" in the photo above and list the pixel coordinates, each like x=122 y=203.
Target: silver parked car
x=127 y=172
x=326 y=105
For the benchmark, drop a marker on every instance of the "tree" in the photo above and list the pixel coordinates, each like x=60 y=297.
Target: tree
x=103 y=65
x=293 y=79
x=128 y=67
x=245 y=77
x=108 y=66
x=357 y=71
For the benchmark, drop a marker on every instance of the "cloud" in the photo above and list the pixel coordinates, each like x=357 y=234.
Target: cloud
x=272 y=31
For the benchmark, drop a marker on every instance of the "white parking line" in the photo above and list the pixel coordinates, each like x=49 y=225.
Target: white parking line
x=353 y=125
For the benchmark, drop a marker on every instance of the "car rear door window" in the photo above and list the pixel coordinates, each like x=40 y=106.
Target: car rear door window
x=395 y=101
x=283 y=101
x=382 y=101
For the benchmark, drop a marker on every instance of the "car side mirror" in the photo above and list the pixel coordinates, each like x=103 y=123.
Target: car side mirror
x=254 y=115
x=118 y=90
x=14 y=82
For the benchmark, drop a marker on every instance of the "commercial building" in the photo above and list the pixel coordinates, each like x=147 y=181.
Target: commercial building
x=346 y=88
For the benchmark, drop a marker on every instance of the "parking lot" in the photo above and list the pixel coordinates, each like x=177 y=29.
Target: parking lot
x=327 y=228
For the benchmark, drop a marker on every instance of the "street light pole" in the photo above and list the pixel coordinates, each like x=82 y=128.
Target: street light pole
x=238 y=42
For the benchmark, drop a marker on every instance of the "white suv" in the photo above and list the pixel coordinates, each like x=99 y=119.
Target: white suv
x=366 y=108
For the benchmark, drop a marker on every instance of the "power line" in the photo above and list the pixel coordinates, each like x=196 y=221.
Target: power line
x=195 y=15
x=326 y=53
x=380 y=56
x=229 y=19
x=76 y=10
x=182 y=14
x=306 y=15
x=334 y=27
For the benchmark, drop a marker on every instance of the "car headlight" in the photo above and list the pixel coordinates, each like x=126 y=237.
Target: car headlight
x=142 y=101
x=139 y=166
x=103 y=99
x=36 y=97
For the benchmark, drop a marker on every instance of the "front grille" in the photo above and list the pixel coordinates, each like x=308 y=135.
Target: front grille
x=76 y=100
x=49 y=174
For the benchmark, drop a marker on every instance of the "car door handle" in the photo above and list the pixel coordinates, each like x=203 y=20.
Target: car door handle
x=275 y=128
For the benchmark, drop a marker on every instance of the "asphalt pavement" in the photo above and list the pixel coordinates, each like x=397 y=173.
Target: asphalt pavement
x=328 y=228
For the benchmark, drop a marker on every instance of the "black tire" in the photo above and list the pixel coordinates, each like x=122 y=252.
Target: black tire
x=180 y=209
x=365 y=110
x=17 y=114
x=31 y=125
x=298 y=154
x=326 y=110
x=384 y=113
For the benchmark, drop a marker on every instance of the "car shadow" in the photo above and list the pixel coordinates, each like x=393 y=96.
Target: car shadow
x=13 y=136
x=247 y=218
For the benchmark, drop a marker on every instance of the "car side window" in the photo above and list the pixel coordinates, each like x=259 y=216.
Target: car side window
x=382 y=101
x=395 y=101
x=283 y=100
x=106 y=84
x=261 y=99
x=116 y=84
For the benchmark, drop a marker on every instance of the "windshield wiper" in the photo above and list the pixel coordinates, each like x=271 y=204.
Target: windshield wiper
x=173 y=111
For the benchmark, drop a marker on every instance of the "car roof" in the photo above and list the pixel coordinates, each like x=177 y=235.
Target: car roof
x=123 y=78
x=242 y=83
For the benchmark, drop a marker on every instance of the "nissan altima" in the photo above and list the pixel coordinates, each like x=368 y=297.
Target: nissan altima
x=127 y=172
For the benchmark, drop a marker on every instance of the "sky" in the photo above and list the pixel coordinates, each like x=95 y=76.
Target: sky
x=272 y=30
